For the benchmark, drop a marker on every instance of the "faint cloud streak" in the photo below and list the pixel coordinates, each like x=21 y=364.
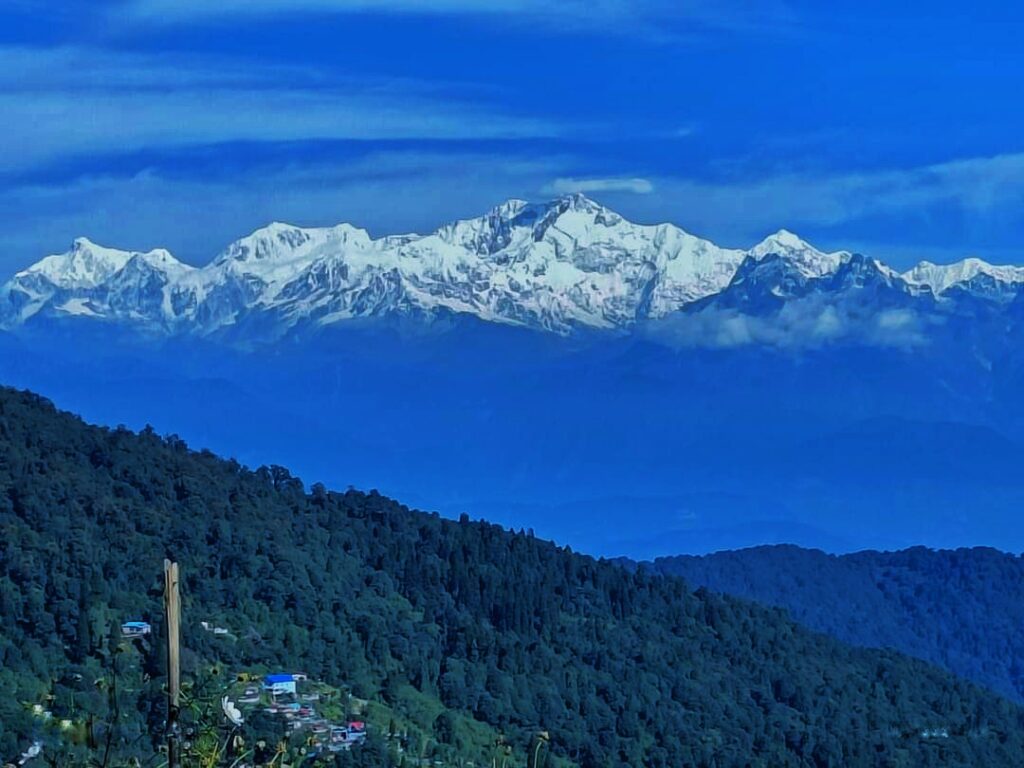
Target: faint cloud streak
x=617 y=17
x=591 y=186
x=195 y=217
x=738 y=210
x=65 y=102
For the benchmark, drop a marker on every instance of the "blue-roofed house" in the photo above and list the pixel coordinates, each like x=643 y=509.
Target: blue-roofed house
x=135 y=628
x=278 y=684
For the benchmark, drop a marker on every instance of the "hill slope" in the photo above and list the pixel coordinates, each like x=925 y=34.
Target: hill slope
x=959 y=609
x=623 y=669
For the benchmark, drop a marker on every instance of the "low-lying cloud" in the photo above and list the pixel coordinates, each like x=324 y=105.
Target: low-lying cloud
x=809 y=323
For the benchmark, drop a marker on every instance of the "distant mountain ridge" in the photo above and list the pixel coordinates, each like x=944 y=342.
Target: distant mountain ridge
x=960 y=609
x=562 y=266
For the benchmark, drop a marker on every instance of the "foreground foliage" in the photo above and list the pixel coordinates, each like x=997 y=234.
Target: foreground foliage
x=453 y=626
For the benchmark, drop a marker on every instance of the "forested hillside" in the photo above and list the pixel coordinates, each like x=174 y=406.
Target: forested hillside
x=961 y=609
x=415 y=611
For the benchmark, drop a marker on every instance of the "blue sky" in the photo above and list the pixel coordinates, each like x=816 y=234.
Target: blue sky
x=145 y=123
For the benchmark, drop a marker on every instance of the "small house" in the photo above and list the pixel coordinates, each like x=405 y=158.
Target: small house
x=251 y=695
x=135 y=629
x=279 y=684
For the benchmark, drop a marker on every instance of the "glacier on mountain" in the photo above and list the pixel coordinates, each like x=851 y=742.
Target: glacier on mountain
x=560 y=266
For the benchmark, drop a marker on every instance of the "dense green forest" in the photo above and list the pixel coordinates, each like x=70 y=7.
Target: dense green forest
x=460 y=622
x=961 y=609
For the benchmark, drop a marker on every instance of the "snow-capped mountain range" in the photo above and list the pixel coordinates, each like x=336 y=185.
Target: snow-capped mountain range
x=560 y=266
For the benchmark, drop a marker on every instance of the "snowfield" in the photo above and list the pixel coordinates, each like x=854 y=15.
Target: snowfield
x=559 y=266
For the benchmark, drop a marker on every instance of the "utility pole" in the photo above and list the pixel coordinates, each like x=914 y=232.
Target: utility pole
x=172 y=614
x=540 y=741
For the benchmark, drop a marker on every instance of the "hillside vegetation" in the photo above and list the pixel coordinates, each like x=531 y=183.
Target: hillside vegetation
x=457 y=622
x=960 y=609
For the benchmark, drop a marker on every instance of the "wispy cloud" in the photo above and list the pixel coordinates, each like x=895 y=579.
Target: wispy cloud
x=394 y=189
x=979 y=184
x=169 y=9
x=984 y=194
x=70 y=101
x=596 y=186
x=196 y=216
x=567 y=16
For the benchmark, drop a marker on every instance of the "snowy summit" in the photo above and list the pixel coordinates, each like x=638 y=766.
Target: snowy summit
x=558 y=266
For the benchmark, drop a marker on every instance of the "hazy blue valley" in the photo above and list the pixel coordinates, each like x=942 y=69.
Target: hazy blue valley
x=647 y=433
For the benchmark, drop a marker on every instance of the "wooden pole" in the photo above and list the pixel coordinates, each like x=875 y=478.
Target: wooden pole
x=172 y=613
x=541 y=739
